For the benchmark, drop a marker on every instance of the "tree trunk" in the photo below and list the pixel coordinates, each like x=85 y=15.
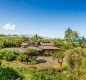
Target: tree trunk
x=60 y=61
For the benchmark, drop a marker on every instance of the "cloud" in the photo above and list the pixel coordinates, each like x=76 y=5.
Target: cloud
x=0 y=24
x=9 y=26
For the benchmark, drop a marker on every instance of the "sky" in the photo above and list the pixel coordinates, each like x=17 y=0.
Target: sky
x=49 y=18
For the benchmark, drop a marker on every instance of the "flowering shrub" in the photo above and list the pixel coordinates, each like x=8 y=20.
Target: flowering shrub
x=58 y=69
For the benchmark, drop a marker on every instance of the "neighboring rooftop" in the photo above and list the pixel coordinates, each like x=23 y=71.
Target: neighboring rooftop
x=35 y=45
x=16 y=49
x=44 y=47
x=40 y=46
x=37 y=48
x=47 y=43
x=24 y=43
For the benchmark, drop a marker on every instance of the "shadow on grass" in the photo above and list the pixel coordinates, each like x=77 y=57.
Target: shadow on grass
x=42 y=61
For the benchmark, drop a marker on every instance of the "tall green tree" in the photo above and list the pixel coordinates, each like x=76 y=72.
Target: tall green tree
x=76 y=59
x=83 y=42
x=71 y=35
x=75 y=35
x=59 y=55
x=36 y=38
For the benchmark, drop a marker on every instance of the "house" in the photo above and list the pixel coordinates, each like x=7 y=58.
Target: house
x=16 y=49
x=40 y=46
x=24 y=44
x=48 y=46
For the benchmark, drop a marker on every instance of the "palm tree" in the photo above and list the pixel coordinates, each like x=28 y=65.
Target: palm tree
x=36 y=38
x=68 y=34
x=75 y=35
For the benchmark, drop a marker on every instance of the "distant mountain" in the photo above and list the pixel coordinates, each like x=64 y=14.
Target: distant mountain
x=28 y=35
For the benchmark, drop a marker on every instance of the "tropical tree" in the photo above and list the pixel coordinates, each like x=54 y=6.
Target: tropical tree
x=76 y=63
x=71 y=35
x=59 y=55
x=75 y=35
x=58 y=42
x=83 y=42
x=36 y=38
x=74 y=58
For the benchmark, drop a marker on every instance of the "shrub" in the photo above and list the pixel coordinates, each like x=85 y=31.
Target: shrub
x=2 y=53
x=22 y=58
x=64 y=67
x=10 y=56
x=9 y=74
x=48 y=75
x=43 y=69
x=13 y=55
x=47 y=53
x=31 y=51
x=33 y=67
x=33 y=62
x=58 y=69
x=7 y=55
